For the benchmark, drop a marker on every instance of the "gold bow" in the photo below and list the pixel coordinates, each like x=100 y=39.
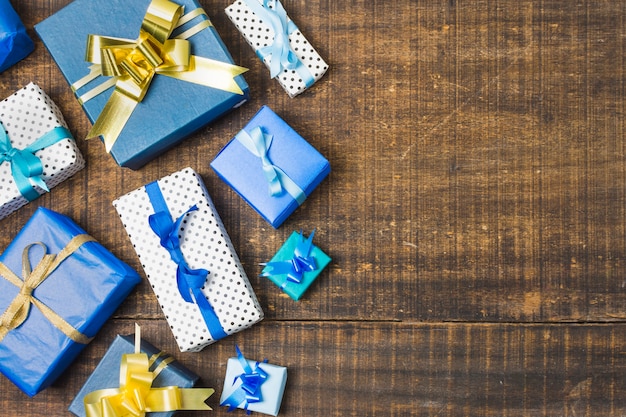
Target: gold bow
x=133 y=64
x=17 y=312
x=135 y=397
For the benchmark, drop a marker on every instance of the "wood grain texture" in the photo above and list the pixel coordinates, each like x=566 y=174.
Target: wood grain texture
x=475 y=211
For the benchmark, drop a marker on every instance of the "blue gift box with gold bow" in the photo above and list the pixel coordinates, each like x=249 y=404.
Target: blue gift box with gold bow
x=271 y=166
x=15 y=44
x=148 y=73
x=166 y=373
x=57 y=288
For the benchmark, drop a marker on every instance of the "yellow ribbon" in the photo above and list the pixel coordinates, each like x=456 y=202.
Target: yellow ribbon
x=133 y=64
x=135 y=396
x=17 y=312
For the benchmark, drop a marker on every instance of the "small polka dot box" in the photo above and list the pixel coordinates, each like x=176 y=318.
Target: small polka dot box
x=278 y=42
x=189 y=260
x=267 y=145
x=36 y=148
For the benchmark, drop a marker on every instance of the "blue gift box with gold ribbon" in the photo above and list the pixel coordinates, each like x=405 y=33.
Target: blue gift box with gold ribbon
x=147 y=72
x=104 y=383
x=271 y=166
x=57 y=288
x=15 y=44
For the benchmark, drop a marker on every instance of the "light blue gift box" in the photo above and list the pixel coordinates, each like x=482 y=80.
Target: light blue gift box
x=298 y=165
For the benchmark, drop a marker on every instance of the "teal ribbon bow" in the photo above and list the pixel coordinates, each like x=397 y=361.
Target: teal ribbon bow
x=302 y=261
x=26 y=167
x=250 y=389
x=258 y=143
x=280 y=54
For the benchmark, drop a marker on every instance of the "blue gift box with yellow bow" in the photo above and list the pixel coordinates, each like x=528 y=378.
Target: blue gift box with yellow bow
x=148 y=73
x=57 y=288
x=15 y=44
x=167 y=372
x=271 y=166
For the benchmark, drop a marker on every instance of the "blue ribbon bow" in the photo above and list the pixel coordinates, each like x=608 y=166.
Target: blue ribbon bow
x=302 y=261
x=250 y=389
x=189 y=281
x=280 y=54
x=26 y=167
x=258 y=143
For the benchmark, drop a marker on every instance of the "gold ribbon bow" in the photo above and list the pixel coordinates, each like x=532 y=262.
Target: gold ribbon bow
x=133 y=64
x=17 y=312
x=135 y=396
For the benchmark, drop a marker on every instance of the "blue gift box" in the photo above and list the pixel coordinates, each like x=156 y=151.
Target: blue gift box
x=281 y=271
x=171 y=109
x=84 y=290
x=15 y=44
x=106 y=374
x=290 y=157
x=271 y=390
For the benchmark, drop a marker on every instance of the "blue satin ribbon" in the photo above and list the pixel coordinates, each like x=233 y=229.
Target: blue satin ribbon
x=258 y=143
x=300 y=262
x=280 y=54
x=250 y=389
x=189 y=281
x=26 y=167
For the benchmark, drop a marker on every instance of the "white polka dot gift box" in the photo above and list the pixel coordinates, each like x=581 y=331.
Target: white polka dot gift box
x=278 y=42
x=37 y=151
x=189 y=260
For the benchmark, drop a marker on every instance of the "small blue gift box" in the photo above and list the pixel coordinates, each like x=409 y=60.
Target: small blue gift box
x=253 y=386
x=106 y=375
x=74 y=287
x=271 y=166
x=15 y=44
x=296 y=265
x=176 y=102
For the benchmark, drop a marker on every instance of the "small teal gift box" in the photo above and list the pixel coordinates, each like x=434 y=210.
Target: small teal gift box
x=253 y=386
x=271 y=166
x=296 y=265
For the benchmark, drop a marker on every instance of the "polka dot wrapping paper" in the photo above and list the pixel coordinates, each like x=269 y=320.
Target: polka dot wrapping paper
x=26 y=116
x=204 y=245
x=261 y=36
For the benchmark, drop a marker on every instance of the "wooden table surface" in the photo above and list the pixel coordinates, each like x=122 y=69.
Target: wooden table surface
x=475 y=212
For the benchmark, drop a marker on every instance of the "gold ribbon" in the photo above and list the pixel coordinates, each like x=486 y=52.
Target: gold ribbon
x=133 y=64
x=135 y=396
x=17 y=312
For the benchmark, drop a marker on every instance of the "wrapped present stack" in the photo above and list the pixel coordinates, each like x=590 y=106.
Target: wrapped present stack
x=148 y=74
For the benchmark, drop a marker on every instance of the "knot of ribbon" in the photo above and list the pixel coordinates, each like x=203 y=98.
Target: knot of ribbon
x=135 y=396
x=258 y=143
x=19 y=309
x=132 y=64
x=250 y=389
x=281 y=56
x=26 y=167
x=189 y=281
x=301 y=261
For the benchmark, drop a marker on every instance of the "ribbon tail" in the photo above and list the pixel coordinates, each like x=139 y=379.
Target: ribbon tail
x=113 y=118
x=222 y=74
x=209 y=316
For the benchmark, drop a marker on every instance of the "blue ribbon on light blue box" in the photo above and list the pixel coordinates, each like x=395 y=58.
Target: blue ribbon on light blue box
x=300 y=262
x=26 y=167
x=250 y=389
x=280 y=54
x=189 y=281
x=259 y=143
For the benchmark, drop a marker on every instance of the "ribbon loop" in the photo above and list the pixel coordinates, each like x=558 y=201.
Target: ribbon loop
x=301 y=261
x=18 y=311
x=189 y=281
x=26 y=167
x=258 y=143
x=135 y=396
x=134 y=62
